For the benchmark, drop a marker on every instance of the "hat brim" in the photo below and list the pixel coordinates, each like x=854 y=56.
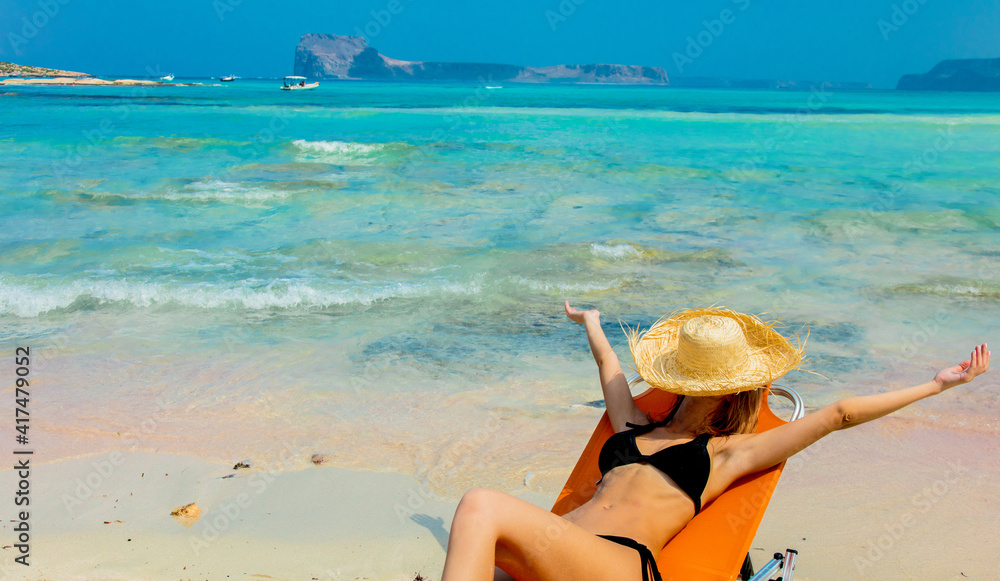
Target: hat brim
x=769 y=357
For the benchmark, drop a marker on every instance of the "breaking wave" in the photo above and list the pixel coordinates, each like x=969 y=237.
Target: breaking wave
x=346 y=152
x=32 y=300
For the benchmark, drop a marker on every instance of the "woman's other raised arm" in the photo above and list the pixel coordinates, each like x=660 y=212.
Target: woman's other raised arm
x=751 y=453
x=617 y=396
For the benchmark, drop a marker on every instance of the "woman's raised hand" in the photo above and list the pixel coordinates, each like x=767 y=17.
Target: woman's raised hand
x=577 y=315
x=976 y=364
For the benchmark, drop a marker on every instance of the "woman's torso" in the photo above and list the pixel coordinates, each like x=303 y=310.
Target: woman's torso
x=639 y=501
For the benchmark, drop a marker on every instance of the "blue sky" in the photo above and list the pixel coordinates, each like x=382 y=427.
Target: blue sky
x=780 y=39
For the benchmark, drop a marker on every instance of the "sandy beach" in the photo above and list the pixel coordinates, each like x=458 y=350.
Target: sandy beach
x=108 y=517
x=917 y=502
x=88 y=81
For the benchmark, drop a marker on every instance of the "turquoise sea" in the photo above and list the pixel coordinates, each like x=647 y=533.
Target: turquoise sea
x=374 y=272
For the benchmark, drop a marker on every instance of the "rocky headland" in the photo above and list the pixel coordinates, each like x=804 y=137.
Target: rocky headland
x=956 y=75
x=16 y=70
x=349 y=57
x=81 y=81
x=27 y=75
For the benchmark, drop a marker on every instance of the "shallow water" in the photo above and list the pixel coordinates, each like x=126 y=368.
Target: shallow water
x=374 y=272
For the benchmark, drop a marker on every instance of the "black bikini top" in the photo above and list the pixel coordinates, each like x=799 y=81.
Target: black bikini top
x=687 y=464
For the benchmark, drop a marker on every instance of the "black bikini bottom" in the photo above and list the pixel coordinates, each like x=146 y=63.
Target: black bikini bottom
x=648 y=563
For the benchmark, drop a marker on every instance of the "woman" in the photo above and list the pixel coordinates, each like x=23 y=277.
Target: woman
x=658 y=475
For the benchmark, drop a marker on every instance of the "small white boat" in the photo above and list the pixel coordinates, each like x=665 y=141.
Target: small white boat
x=167 y=78
x=228 y=79
x=297 y=84
x=493 y=87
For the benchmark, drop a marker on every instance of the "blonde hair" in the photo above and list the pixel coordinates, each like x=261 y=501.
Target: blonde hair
x=736 y=414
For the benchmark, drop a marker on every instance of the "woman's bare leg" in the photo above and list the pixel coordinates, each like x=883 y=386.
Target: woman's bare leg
x=491 y=528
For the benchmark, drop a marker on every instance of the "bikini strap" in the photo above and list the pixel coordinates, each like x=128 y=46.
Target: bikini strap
x=642 y=429
x=649 y=568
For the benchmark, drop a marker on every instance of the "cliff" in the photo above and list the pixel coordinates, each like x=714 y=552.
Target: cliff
x=350 y=57
x=956 y=75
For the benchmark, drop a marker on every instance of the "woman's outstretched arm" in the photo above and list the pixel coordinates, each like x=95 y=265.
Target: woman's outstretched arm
x=617 y=396
x=858 y=410
x=751 y=453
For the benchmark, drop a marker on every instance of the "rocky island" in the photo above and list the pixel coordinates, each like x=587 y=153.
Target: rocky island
x=28 y=75
x=956 y=75
x=15 y=70
x=349 y=57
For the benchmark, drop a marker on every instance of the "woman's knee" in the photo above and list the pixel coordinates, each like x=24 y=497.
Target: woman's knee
x=479 y=502
x=480 y=505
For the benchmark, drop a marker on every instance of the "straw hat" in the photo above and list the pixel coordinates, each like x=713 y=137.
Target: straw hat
x=703 y=352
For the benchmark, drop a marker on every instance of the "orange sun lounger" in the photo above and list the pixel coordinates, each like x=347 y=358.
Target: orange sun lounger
x=715 y=544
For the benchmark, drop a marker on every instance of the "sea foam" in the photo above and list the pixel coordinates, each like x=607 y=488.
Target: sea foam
x=565 y=287
x=205 y=191
x=616 y=252
x=39 y=297
x=342 y=152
